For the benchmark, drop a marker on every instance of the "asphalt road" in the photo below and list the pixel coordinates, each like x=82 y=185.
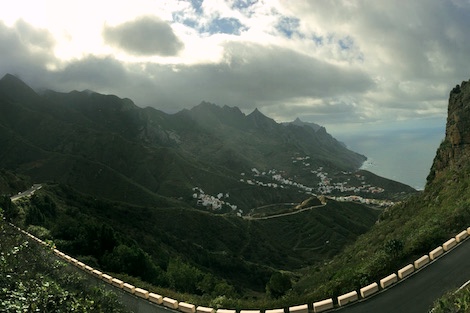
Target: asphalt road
x=415 y=294
x=136 y=304
x=26 y=193
x=129 y=301
x=283 y=214
x=418 y=293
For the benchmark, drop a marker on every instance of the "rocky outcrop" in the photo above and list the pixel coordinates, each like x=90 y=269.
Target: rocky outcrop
x=458 y=120
x=454 y=152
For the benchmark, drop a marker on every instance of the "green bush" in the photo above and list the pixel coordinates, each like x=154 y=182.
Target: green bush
x=453 y=302
x=278 y=285
x=32 y=280
x=10 y=211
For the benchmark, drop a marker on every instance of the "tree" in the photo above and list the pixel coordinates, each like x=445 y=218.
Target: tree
x=394 y=248
x=34 y=216
x=278 y=285
x=107 y=238
x=45 y=204
x=183 y=277
x=133 y=261
x=10 y=210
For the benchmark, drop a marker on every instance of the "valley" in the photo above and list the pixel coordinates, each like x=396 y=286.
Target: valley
x=209 y=204
x=242 y=156
x=344 y=187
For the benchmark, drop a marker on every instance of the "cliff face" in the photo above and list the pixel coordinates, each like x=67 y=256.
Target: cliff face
x=454 y=153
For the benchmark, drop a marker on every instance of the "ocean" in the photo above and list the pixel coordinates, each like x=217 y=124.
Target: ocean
x=403 y=155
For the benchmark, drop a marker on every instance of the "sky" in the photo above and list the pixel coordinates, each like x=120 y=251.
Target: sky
x=344 y=64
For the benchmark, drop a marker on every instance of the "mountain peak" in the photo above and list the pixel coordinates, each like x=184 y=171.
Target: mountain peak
x=204 y=105
x=260 y=120
x=257 y=114
x=16 y=89
x=299 y=122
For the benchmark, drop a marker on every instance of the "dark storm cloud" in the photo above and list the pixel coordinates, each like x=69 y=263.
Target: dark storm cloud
x=99 y=74
x=248 y=76
x=414 y=40
x=144 y=36
x=408 y=63
x=252 y=75
x=25 y=51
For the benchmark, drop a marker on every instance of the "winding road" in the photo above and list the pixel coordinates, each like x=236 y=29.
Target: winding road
x=26 y=193
x=283 y=214
x=418 y=293
x=415 y=294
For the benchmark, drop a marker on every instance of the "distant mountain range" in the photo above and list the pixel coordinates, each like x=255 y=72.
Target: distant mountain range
x=160 y=196
x=300 y=123
x=107 y=146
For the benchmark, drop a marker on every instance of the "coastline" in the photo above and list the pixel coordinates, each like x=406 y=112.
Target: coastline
x=374 y=167
x=367 y=164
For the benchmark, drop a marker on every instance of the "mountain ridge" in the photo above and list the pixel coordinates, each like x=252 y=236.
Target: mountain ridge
x=174 y=195
x=299 y=122
x=154 y=153
x=408 y=230
x=16 y=88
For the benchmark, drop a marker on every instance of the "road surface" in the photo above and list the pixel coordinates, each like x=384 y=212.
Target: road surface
x=283 y=214
x=415 y=294
x=418 y=293
x=26 y=193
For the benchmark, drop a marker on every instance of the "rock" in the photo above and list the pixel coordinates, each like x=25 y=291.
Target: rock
x=455 y=149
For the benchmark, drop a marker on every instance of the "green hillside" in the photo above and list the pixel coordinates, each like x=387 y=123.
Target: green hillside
x=148 y=242
x=88 y=140
x=33 y=281
x=175 y=200
x=413 y=228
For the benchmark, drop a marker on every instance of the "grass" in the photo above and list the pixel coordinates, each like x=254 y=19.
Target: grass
x=312 y=242
x=33 y=281
x=457 y=301
x=226 y=252
x=420 y=224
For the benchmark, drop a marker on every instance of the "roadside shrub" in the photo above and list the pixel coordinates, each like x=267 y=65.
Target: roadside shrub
x=278 y=285
x=32 y=280
x=453 y=302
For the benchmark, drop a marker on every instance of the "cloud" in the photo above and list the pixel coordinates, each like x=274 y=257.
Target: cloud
x=248 y=76
x=405 y=40
x=144 y=36
x=25 y=51
x=325 y=61
x=251 y=75
x=414 y=50
x=105 y=74
x=273 y=73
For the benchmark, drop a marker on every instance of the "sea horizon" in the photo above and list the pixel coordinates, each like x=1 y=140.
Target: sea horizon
x=403 y=155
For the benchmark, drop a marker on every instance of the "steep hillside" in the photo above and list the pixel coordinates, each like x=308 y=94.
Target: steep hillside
x=259 y=140
x=452 y=157
x=299 y=122
x=410 y=229
x=189 y=250
x=10 y=183
x=88 y=140
x=33 y=281
x=198 y=196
